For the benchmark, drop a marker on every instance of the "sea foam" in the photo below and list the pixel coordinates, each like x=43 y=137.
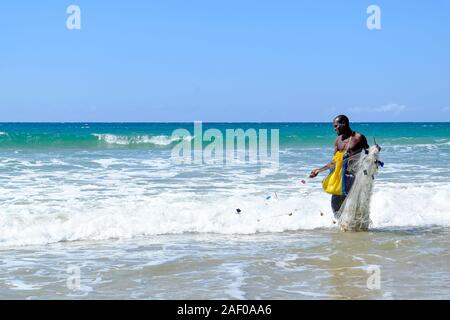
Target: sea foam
x=404 y=205
x=160 y=140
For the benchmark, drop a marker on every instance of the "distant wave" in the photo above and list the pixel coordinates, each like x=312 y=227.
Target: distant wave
x=161 y=140
x=85 y=140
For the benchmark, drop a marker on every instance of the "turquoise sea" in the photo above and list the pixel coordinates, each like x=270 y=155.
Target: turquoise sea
x=106 y=199
x=155 y=135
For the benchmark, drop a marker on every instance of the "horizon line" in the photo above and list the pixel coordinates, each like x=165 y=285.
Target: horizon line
x=168 y=122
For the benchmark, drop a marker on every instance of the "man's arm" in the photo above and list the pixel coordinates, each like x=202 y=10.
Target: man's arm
x=315 y=172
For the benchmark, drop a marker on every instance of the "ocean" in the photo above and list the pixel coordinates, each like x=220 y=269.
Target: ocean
x=101 y=211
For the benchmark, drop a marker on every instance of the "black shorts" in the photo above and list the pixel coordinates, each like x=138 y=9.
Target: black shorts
x=336 y=201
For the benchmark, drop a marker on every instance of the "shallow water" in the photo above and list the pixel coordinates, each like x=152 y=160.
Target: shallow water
x=110 y=202
x=319 y=264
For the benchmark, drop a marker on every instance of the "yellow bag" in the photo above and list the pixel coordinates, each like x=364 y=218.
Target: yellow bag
x=334 y=182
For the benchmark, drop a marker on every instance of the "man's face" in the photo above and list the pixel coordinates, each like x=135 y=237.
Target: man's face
x=338 y=127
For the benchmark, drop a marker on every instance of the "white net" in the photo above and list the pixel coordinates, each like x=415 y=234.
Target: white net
x=354 y=214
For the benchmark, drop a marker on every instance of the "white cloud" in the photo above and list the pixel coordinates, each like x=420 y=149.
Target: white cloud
x=391 y=107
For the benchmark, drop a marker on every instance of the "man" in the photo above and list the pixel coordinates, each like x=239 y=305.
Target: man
x=351 y=141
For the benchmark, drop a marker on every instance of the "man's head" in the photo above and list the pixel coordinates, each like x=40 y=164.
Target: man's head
x=341 y=124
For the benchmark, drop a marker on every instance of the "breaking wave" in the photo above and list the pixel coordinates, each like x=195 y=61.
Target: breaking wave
x=136 y=215
x=161 y=140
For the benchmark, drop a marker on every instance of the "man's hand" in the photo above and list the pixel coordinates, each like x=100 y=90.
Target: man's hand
x=314 y=173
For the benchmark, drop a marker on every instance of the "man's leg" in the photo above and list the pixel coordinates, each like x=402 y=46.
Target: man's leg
x=336 y=203
x=349 y=179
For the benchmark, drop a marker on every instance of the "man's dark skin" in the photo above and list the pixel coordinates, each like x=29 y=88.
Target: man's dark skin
x=357 y=144
x=351 y=141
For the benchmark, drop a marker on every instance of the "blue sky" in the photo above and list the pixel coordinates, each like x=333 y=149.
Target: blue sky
x=224 y=60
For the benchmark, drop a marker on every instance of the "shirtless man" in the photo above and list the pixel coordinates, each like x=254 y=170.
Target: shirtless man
x=351 y=141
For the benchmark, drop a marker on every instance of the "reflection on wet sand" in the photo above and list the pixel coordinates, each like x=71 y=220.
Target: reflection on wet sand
x=349 y=265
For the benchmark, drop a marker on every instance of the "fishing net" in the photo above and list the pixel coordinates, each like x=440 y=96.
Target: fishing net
x=354 y=214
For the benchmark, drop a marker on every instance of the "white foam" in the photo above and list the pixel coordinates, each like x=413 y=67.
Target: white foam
x=160 y=140
x=411 y=205
x=20 y=285
x=105 y=163
x=37 y=222
x=234 y=289
x=119 y=196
